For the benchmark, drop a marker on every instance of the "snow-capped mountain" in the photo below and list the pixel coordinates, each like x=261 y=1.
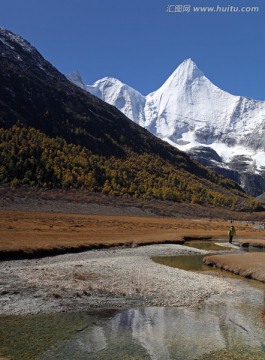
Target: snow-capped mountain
x=193 y=114
x=114 y=92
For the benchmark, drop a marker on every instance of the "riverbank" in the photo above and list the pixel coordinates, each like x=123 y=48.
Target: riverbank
x=29 y=234
x=257 y=243
x=250 y=265
x=113 y=278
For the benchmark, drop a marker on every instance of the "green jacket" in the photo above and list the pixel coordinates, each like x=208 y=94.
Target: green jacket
x=232 y=231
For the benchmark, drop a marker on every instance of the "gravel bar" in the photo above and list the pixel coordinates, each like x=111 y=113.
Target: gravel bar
x=112 y=278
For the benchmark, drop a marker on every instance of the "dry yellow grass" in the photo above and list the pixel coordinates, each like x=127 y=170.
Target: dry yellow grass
x=260 y=243
x=42 y=230
x=249 y=265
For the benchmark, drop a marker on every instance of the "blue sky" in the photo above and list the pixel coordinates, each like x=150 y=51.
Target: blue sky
x=140 y=43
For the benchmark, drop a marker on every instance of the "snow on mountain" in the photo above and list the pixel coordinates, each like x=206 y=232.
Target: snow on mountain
x=189 y=111
x=114 y=92
x=187 y=104
x=76 y=78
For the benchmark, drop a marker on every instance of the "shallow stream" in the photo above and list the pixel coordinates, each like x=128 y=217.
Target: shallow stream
x=227 y=327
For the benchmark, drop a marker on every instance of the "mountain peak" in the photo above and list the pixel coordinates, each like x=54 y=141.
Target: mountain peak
x=19 y=52
x=109 y=81
x=76 y=78
x=76 y=75
x=186 y=71
x=10 y=39
x=188 y=62
x=190 y=66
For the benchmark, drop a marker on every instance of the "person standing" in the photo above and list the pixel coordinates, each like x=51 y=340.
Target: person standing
x=231 y=233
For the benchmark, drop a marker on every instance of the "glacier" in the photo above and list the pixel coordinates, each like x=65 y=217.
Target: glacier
x=191 y=113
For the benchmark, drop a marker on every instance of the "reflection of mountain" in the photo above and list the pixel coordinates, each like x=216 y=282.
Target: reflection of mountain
x=239 y=318
x=149 y=331
x=170 y=333
x=226 y=324
x=92 y=341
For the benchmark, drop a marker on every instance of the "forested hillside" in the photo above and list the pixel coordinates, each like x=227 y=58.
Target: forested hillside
x=29 y=157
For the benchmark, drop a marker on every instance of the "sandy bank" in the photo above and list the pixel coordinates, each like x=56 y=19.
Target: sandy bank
x=250 y=265
x=103 y=278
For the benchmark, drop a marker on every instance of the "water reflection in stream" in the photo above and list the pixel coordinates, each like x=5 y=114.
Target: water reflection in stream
x=230 y=327
x=222 y=328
